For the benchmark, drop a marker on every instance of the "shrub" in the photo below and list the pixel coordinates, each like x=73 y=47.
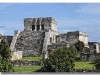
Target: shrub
x=60 y=60
x=79 y=46
x=5 y=57
x=96 y=63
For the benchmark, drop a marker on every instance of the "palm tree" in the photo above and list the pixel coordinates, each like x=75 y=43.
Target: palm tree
x=79 y=46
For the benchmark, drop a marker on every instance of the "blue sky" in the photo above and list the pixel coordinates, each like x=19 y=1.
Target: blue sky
x=84 y=17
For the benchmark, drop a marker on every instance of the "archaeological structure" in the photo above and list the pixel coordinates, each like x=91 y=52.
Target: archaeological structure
x=40 y=36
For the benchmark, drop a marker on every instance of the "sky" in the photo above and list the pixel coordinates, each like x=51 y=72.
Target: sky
x=84 y=17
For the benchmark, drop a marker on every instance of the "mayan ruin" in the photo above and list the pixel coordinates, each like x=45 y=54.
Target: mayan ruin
x=40 y=35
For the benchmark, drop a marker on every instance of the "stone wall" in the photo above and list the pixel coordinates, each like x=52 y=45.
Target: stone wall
x=57 y=45
x=8 y=39
x=40 y=24
x=94 y=47
x=70 y=37
x=73 y=37
x=83 y=37
x=54 y=46
x=27 y=63
x=90 y=53
x=50 y=37
x=30 y=43
x=89 y=56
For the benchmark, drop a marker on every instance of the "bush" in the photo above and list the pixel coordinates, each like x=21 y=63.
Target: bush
x=60 y=60
x=96 y=63
x=79 y=46
x=77 y=57
x=5 y=57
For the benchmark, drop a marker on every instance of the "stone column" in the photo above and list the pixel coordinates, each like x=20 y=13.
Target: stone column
x=35 y=27
x=40 y=20
x=40 y=27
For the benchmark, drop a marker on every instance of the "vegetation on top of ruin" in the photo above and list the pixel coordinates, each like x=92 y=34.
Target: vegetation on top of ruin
x=79 y=46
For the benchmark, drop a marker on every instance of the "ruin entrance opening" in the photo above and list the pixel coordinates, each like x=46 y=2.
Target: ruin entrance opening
x=42 y=27
x=33 y=27
x=38 y=27
x=50 y=40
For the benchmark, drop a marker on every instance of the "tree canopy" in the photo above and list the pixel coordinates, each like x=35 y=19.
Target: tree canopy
x=79 y=46
x=96 y=63
x=5 y=57
x=60 y=60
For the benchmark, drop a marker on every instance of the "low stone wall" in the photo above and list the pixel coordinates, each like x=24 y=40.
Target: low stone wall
x=57 y=45
x=27 y=63
x=16 y=55
x=89 y=57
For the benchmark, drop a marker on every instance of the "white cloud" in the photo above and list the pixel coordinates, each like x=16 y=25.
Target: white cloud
x=71 y=22
x=64 y=30
x=93 y=32
x=2 y=31
x=11 y=23
x=10 y=26
x=93 y=9
x=89 y=25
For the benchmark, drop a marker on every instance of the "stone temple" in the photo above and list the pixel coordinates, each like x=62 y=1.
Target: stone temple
x=40 y=35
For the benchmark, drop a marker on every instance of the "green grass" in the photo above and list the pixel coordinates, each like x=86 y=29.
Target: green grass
x=78 y=65
x=83 y=65
x=26 y=68
x=32 y=58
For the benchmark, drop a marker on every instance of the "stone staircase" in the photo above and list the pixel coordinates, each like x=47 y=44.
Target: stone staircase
x=45 y=44
x=12 y=46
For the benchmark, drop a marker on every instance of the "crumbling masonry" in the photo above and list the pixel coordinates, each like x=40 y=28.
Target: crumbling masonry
x=40 y=35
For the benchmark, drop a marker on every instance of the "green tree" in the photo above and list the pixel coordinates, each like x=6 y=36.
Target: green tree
x=96 y=63
x=79 y=46
x=5 y=57
x=60 y=60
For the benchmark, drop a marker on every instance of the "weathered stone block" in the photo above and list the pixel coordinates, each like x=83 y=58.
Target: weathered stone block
x=16 y=55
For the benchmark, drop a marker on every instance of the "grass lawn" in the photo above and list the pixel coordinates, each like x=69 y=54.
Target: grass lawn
x=32 y=58
x=26 y=68
x=78 y=65
x=83 y=65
